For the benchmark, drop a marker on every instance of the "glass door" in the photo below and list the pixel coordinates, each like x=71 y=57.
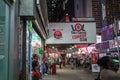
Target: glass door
x=4 y=30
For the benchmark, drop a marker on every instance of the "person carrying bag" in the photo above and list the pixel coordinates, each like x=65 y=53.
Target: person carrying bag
x=107 y=73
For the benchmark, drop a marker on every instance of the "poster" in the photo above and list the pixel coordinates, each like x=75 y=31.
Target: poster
x=95 y=68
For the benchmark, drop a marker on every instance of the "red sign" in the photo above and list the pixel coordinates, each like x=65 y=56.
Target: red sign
x=78 y=32
x=80 y=45
x=94 y=58
x=77 y=36
x=78 y=27
x=57 y=34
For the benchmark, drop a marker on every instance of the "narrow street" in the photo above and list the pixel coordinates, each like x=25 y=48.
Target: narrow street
x=66 y=73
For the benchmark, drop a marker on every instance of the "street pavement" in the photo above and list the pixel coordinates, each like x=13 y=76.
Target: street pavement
x=66 y=73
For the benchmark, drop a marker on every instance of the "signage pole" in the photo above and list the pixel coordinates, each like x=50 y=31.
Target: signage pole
x=116 y=34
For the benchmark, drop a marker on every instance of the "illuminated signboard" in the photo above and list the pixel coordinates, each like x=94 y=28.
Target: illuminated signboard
x=107 y=33
x=67 y=33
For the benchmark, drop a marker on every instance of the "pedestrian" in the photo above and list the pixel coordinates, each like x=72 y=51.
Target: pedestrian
x=72 y=63
x=63 y=61
x=35 y=57
x=107 y=69
x=60 y=62
x=35 y=72
x=46 y=66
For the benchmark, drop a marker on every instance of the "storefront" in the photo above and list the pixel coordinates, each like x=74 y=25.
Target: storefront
x=32 y=25
x=13 y=38
x=29 y=43
x=114 y=48
x=37 y=47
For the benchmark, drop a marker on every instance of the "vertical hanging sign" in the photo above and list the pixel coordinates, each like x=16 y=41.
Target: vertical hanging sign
x=29 y=23
x=30 y=27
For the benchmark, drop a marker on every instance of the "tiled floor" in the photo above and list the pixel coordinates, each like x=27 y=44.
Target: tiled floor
x=66 y=73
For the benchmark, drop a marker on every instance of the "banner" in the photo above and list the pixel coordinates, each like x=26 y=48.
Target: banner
x=70 y=33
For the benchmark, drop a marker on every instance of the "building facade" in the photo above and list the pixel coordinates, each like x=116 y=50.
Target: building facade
x=13 y=35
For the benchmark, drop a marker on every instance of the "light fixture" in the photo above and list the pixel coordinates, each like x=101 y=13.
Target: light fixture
x=53 y=47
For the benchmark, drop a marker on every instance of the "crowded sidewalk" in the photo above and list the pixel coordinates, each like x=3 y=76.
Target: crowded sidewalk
x=66 y=73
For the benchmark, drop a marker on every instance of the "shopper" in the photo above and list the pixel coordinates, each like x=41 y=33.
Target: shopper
x=36 y=63
x=35 y=72
x=107 y=69
x=35 y=57
x=60 y=62
x=72 y=63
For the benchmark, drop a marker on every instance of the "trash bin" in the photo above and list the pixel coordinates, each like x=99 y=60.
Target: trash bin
x=54 y=68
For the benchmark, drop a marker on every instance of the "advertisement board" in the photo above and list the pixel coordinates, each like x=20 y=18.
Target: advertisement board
x=95 y=68
x=107 y=33
x=70 y=33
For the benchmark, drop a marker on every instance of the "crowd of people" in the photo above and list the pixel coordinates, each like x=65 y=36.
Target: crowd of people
x=47 y=64
x=108 y=70
x=74 y=62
